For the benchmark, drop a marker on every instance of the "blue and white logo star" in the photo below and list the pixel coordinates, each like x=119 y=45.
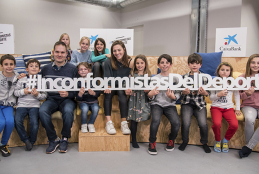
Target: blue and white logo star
x=231 y=38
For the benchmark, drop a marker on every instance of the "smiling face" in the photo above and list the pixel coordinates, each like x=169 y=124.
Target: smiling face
x=140 y=65
x=254 y=65
x=99 y=46
x=33 y=68
x=118 y=52
x=194 y=67
x=65 y=39
x=8 y=66
x=224 y=71
x=164 y=65
x=84 y=45
x=60 y=54
x=83 y=71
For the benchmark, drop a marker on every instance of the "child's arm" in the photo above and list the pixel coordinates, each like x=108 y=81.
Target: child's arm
x=237 y=101
x=73 y=58
x=216 y=95
x=19 y=89
x=201 y=91
x=94 y=93
x=80 y=94
x=39 y=95
x=170 y=94
x=100 y=57
x=153 y=92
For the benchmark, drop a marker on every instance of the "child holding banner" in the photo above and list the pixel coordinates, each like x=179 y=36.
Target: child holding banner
x=139 y=104
x=99 y=55
x=222 y=106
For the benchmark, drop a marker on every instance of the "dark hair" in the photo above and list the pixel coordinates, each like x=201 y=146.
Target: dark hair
x=125 y=57
x=248 y=69
x=146 y=70
x=96 y=53
x=60 y=43
x=195 y=58
x=226 y=64
x=167 y=57
x=32 y=61
x=9 y=57
x=87 y=65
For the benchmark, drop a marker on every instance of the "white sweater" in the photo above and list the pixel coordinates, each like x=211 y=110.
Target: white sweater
x=225 y=102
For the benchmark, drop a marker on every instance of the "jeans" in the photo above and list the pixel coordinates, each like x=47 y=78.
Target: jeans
x=187 y=111
x=171 y=113
x=94 y=107
x=250 y=115
x=19 y=117
x=66 y=107
x=6 y=122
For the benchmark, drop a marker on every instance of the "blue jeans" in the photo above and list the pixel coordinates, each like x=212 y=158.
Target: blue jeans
x=171 y=113
x=19 y=117
x=94 y=107
x=6 y=122
x=187 y=111
x=66 y=107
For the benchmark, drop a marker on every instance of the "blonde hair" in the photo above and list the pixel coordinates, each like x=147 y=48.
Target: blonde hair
x=146 y=70
x=61 y=37
x=83 y=38
x=226 y=64
x=248 y=69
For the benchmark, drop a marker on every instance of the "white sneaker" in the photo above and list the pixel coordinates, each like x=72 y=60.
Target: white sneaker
x=84 y=128
x=110 y=128
x=91 y=128
x=125 y=128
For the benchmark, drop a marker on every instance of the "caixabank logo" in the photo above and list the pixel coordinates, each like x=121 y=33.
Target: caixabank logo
x=3 y=37
x=231 y=44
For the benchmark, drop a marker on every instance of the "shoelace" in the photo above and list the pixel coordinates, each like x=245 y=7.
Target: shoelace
x=218 y=144
x=111 y=125
x=225 y=145
x=170 y=143
x=153 y=145
x=6 y=148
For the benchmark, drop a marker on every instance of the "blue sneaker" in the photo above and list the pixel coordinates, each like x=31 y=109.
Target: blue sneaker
x=63 y=145
x=52 y=146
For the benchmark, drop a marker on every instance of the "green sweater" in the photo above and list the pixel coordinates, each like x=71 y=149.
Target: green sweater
x=101 y=57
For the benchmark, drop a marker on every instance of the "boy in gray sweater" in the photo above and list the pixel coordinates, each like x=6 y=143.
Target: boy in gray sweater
x=163 y=102
x=28 y=104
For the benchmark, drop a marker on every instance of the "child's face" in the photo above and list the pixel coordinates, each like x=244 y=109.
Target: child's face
x=118 y=52
x=254 y=65
x=164 y=65
x=140 y=65
x=194 y=67
x=8 y=66
x=83 y=71
x=224 y=71
x=65 y=39
x=84 y=45
x=99 y=46
x=33 y=68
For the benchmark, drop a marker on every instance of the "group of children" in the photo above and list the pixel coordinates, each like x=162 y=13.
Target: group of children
x=141 y=104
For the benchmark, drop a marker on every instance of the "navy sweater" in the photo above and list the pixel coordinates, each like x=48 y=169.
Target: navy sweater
x=68 y=70
x=86 y=97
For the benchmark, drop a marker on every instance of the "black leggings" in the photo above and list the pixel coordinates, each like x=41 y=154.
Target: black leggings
x=107 y=104
x=98 y=71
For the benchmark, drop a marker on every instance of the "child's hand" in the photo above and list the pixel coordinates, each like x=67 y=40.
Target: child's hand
x=108 y=55
x=238 y=113
x=34 y=92
x=170 y=94
x=186 y=91
x=153 y=92
x=223 y=93
x=201 y=91
x=146 y=91
x=128 y=92
x=107 y=91
x=26 y=91
x=81 y=92
x=91 y=92
x=21 y=75
x=250 y=91
x=63 y=93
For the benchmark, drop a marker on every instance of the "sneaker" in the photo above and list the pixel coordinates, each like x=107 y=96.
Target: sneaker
x=225 y=148
x=5 y=151
x=125 y=128
x=91 y=128
x=52 y=146
x=217 y=146
x=84 y=128
x=110 y=128
x=152 y=148
x=28 y=145
x=170 y=146
x=245 y=152
x=63 y=145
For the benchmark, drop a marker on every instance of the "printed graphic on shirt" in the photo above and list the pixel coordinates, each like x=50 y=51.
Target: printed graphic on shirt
x=222 y=100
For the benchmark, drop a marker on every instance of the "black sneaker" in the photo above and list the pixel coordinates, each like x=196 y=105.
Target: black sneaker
x=170 y=146
x=245 y=152
x=52 y=146
x=28 y=146
x=152 y=148
x=63 y=145
x=5 y=151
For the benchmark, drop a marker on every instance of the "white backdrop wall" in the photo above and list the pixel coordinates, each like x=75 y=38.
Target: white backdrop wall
x=38 y=24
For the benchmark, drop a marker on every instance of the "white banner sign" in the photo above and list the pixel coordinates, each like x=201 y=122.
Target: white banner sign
x=6 y=39
x=142 y=83
x=110 y=35
x=232 y=41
